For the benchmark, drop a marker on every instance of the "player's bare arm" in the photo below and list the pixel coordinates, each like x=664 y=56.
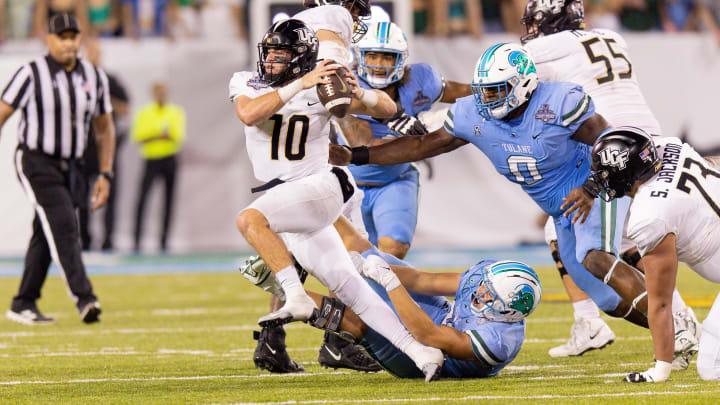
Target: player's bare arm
x=375 y=103
x=660 y=273
x=591 y=129
x=253 y=111
x=579 y=202
x=357 y=132
x=401 y=150
x=451 y=341
x=5 y=112
x=105 y=139
x=420 y=282
x=454 y=91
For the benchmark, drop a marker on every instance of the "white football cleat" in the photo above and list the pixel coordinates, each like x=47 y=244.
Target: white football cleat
x=687 y=338
x=585 y=335
x=296 y=308
x=428 y=359
x=257 y=272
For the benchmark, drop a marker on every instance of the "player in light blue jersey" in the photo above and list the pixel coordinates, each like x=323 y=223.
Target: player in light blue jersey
x=481 y=331
x=538 y=135
x=390 y=205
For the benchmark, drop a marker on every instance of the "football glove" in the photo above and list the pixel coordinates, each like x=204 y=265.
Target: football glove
x=376 y=269
x=659 y=373
x=405 y=125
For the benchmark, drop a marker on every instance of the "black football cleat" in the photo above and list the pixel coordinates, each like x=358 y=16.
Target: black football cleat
x=271 y=354
x=337 y=352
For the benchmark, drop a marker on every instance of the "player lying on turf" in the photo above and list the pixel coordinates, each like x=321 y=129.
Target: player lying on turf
x=480 y=332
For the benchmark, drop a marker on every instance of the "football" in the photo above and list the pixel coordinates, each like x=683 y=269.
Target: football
x=336 y=96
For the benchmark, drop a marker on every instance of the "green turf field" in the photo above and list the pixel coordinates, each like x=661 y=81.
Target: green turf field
x=186 y=338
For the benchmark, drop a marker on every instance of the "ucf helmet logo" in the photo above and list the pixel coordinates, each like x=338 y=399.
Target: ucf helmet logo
x=306 y=35
x=613 y=157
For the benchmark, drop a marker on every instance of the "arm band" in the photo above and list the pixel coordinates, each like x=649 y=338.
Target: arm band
x=289 y=91
x=592 y=186
x=360 y=155
x=369 y=98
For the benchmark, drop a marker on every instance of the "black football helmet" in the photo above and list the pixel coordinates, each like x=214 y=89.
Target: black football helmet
x=545 y=17
x=363 y=6
x=621 y=157
x=294 y=36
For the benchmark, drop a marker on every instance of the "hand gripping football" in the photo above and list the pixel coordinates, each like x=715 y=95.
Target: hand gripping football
x=336 y=95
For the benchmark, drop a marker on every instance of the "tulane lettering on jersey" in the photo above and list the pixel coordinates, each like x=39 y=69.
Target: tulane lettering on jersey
x=495 y=344
x=423 y=87
x=536 y=149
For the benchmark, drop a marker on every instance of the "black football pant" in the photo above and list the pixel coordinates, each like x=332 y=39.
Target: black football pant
x=53 y=186
x=164 y=168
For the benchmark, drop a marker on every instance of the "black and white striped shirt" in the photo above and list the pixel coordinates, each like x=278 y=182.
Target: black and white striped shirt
x=57 y=106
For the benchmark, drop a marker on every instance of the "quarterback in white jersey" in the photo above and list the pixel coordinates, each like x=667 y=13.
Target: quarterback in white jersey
x=674 y=217
x=287 y=139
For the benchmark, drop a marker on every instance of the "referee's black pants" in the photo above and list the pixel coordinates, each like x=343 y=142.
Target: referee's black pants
x=164 y=168
x=53 y=186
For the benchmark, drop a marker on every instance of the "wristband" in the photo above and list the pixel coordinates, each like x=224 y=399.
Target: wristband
x=360 y=155
x=592 y=186
x=289 y=91
x=369 y=98
x=108 y=175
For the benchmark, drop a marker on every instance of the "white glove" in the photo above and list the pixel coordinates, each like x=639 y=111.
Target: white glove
x=378 y=270
x=659 y=373
x=358 y=261
x=406 y=125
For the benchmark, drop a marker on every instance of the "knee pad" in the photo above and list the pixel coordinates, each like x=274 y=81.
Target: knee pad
x=329 y=316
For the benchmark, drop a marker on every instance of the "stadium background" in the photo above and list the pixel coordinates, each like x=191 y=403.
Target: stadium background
x=466 y=204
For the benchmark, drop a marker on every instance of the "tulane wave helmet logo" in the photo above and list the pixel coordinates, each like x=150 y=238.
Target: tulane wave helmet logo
x=524 y=300
x=522 y=63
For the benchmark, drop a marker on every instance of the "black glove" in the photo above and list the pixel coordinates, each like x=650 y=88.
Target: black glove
x=404 y=124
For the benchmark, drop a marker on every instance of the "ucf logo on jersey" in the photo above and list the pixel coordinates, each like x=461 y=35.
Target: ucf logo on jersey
x=613 y=157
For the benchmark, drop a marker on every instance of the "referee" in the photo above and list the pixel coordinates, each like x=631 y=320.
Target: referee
x=59 y=95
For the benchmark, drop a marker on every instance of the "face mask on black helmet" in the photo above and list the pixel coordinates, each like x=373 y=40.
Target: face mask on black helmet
x=295 y=37
x=363 y=6
x=621 y=157
x=545 y=17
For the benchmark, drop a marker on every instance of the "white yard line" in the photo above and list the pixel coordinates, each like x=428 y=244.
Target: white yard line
x=478 y=397
x=199 y=377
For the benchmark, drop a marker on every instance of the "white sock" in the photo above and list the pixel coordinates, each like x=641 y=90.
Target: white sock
x=586 y=309
x=677 y=302
x=290 y=282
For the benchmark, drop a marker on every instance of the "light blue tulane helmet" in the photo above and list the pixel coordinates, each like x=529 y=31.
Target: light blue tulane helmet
x=382 y=37
x=502 y=291
x=509 y=69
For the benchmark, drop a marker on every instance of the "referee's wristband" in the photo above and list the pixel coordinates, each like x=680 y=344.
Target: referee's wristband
x=109 y=176
x=360 y=155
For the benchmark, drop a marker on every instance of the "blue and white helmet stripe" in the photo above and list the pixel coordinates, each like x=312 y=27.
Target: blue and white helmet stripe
x=505 y=70
x=382 y=37
x=504 y=291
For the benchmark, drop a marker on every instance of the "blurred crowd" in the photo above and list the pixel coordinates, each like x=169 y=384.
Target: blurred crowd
x=183 y=18
x=117 y=18
x=474 y=17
